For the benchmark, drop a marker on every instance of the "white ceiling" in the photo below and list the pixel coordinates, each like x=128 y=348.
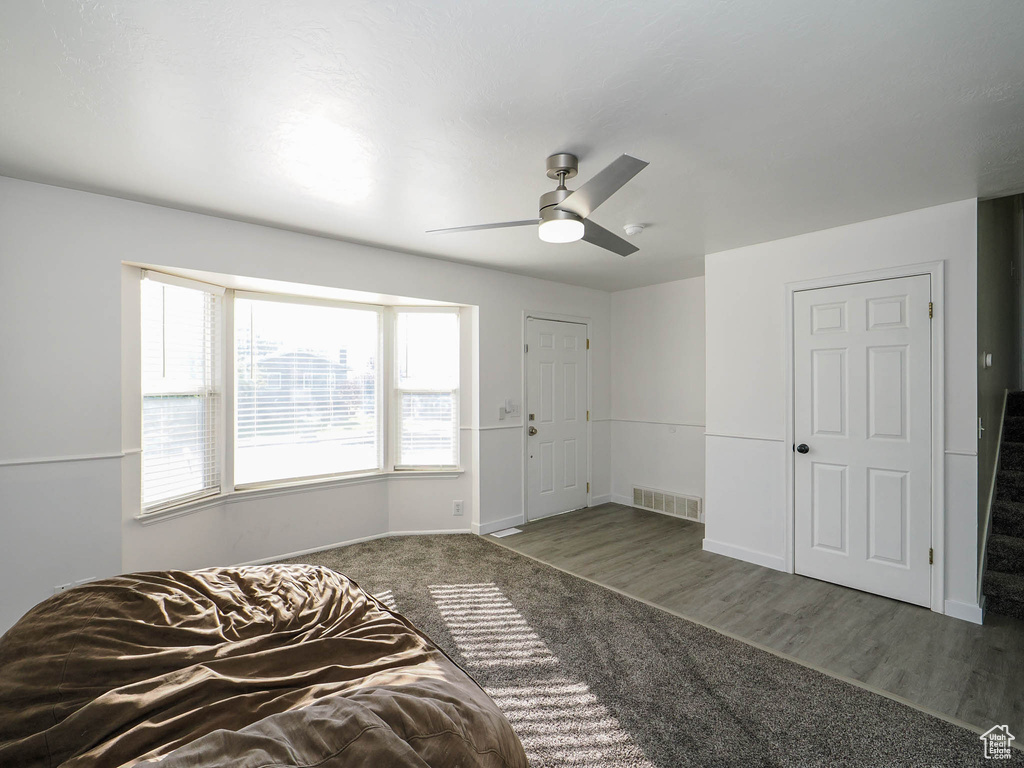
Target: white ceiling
x=374 y=121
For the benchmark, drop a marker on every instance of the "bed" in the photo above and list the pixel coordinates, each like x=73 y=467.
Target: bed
x=284 y=665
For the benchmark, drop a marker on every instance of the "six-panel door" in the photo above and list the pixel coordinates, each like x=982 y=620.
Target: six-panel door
x=556 y=376
x=862 y=397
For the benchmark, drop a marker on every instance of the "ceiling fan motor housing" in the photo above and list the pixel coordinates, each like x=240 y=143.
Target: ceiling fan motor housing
x=556 y=225
x=548 y=201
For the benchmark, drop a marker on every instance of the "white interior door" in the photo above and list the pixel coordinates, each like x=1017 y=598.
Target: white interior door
x=556 y=403
x=862 y=397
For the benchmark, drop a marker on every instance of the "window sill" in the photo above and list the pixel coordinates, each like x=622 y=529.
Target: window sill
x=233 y=497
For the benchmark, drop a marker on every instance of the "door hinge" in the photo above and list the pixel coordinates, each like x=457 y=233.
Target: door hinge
x=588 y=415
x=588 y=487
x=931 y=310
x=526 y=347
x=931 y=556
x=588 y=343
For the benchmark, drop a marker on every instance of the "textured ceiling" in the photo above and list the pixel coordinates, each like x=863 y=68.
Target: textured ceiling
x=373 y=121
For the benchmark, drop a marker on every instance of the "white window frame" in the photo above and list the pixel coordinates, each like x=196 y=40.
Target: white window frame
x=397 y=391
x=382 y=450
x=214 y=393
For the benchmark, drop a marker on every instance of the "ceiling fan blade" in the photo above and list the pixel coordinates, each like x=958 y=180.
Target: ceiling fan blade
x=595 y=234
x=584 y=200
x=499 y=225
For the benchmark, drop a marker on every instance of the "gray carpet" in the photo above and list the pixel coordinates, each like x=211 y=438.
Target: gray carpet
x=588 y=677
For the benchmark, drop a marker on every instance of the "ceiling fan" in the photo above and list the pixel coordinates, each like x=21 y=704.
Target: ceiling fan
x=564 y=213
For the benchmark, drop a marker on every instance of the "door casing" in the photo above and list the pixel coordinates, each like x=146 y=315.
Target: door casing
x=938 y=513
x=539 y=315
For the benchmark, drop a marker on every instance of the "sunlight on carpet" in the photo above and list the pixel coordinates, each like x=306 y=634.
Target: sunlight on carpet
x=558 y=719
x=388 y=598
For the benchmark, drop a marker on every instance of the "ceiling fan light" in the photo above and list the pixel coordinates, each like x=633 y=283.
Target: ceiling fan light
x=560 y=230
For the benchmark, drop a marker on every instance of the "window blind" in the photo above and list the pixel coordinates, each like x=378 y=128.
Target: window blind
x=427 y=388
x=180 y=397
x=307 y=390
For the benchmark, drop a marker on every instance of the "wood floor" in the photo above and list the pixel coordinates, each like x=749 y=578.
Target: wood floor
x=971 y=673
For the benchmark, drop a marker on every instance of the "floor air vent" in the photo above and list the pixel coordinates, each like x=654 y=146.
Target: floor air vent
x=688 y=507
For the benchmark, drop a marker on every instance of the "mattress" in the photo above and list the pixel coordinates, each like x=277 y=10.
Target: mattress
x=251 y=667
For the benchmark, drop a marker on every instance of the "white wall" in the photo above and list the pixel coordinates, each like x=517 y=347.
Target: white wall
x=61 y=379
x=746 y=511
x=657 y=389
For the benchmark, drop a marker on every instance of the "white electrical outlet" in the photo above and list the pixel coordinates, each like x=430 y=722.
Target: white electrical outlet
x=457 y=509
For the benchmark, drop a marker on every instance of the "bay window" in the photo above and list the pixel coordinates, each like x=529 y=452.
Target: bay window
x=322 y=389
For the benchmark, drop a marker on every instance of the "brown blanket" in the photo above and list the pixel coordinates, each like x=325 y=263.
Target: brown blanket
x=266 y=666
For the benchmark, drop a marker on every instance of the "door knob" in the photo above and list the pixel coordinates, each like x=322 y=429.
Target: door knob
x=802 y=448
x=533 y=431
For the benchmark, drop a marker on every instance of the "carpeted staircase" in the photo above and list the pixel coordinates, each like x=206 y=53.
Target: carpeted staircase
x=1004 y=571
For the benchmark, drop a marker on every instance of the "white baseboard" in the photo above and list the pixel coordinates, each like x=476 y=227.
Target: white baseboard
x=482 y=529
x=335 y=545
x=625 y=500
x=598 y=500
x=966 y=611
x=742 y=553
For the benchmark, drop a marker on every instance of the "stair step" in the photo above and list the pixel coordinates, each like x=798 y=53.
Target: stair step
x=1004 y=593
x=1010 y=485
x=1013 y=429
x=1015 y=404
x=1005 y=606
x=1008 y=518
x=1011 y=455
x=1005 y=553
